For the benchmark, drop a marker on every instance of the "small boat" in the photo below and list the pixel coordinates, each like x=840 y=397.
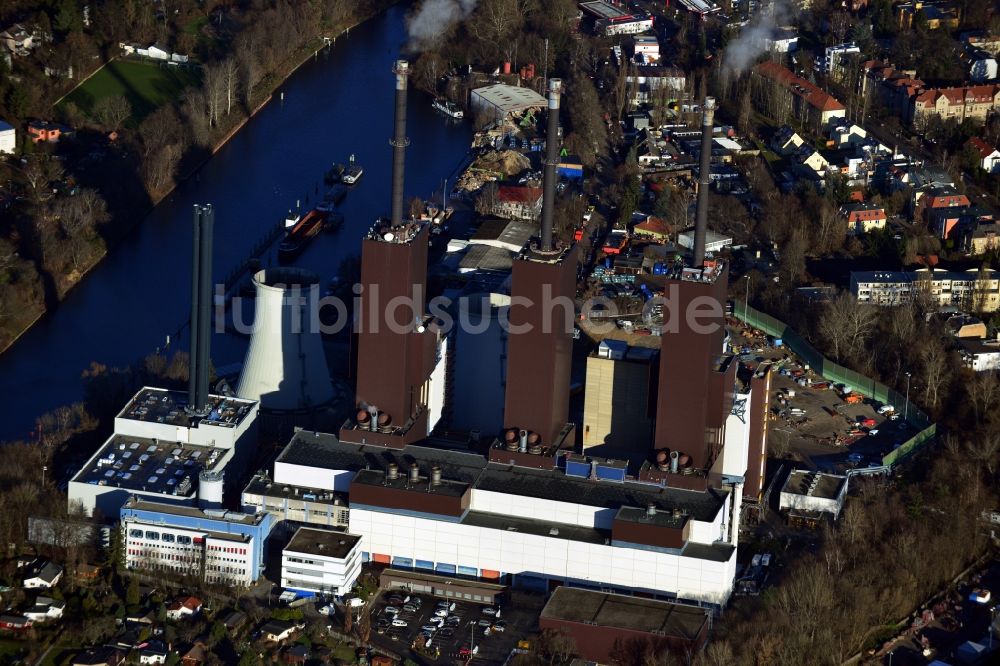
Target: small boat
x=449 y=108
x=299 y=230
x=352 y=173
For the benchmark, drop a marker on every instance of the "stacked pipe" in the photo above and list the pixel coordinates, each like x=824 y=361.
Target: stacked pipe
x=201 y=307
x=704 y=180
x=399 y=141
x=551 y=162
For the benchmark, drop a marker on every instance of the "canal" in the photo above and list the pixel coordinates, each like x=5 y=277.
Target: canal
x=339 y=103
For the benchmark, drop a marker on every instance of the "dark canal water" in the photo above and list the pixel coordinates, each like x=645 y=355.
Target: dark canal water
x=336 y=104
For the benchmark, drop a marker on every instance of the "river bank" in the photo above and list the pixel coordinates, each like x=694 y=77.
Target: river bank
x=336 y=104
x=268 y=87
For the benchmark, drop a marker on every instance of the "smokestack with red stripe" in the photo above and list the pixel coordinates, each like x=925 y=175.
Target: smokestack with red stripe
x=704 y=180
x=399 y=141
x=551 y=162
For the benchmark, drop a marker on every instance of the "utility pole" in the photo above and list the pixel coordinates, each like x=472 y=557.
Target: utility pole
x=906 y=405
x=545 y=68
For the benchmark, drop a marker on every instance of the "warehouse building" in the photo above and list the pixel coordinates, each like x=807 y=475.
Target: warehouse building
x=809 y=495
x=218 y=546
x=612 y=628
x=499 y=100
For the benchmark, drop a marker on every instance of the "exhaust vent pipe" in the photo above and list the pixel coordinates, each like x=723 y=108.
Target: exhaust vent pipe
x=435 y=476
x=393 y=472
x=399 y=141
x=522 y=441
x=414 y=473
x=704 y=180
x=201 y=308
x=551 y=162
x=674 y=461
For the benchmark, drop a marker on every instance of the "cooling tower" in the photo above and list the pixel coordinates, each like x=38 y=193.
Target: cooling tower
x=285 y=366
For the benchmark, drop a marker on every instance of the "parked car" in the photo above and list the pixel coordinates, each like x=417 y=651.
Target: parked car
x=430 y=627
x=436 y=621
x=441 y=612
x=453 y=620
x=446 y=632
x=325 y=610
x=484 y=623
x=390 y=610
x=410 y=608
x=399 y=623
x=490 y=610
x=499 y=626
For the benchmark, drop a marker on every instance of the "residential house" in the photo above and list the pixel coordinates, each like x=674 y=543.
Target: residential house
x=982 y=39
x=892 y=87
x=982 y=238
x=183 y=607
x=972 y=290
x=106 y=655
x=516 y=202
x=786 y=141
x=87 y=572
x=982 y=65
x=155 y=652
x=863 y=218
x=988 y=156
x=42 y=131
x=783 y=39
x=655 y=84
x=234 y=620
x=965 y=326
x=836 y=58
x=295 y=654
x=980 y=355
x=44 y=574
x=847 y=136
x=19 y=40
x=804 y=100
x=935 y=14
x=814 y=161
x=8 y=139
x=195 y=656
x=14 y=623
x=653 y=229
x=45 y=608
x=276 y=631
x=960 y=104
x=938 y=199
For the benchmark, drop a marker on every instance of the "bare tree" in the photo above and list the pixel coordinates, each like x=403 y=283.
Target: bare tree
x=112 y=112
x=935 y=366
x=230 y=78
x=847 y=325
x=984 y=391
x=486 y=200
x=214 y=86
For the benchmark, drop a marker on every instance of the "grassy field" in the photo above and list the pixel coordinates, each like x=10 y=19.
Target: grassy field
x=145 y=85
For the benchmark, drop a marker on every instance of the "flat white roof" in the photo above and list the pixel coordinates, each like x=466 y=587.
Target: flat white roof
x=510 y=98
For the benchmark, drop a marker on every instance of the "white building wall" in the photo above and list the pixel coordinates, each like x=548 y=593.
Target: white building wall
x=541 y=509
x=316 y=573
x=221 y=560
x=435 y=397
x=8 y=141
x=519 y=553
x=312 y=477
x=736 y=445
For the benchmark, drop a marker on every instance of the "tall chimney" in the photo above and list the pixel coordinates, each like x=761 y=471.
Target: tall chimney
x=704 y=179
x=399 y=141
x=195 y=310
x=198 y=399
x=551 y=162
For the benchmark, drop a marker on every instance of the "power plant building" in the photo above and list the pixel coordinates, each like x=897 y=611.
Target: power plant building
x=321 y=562
x=160 y=451
x=616 y=407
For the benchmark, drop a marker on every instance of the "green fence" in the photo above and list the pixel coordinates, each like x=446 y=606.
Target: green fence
x=838 y=374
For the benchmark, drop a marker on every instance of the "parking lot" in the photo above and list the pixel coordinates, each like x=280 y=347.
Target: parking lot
x=818 y=423
x=464 y=627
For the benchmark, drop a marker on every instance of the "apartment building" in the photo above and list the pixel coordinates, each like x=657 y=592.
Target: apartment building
x=974 y=290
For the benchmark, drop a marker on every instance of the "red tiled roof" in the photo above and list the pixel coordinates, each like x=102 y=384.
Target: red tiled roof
x=518 y=194
x=653 y=225
x=984 y=149
x=969 y=95
x=812 y=95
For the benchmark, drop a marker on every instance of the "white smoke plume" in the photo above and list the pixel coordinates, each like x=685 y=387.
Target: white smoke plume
x=433 y=20
x=743 y=51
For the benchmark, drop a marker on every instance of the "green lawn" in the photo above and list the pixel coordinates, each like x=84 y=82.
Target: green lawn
x=195 y=26
x=146 y=85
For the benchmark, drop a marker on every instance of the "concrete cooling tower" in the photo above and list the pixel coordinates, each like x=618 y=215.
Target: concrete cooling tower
x=285 y=366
